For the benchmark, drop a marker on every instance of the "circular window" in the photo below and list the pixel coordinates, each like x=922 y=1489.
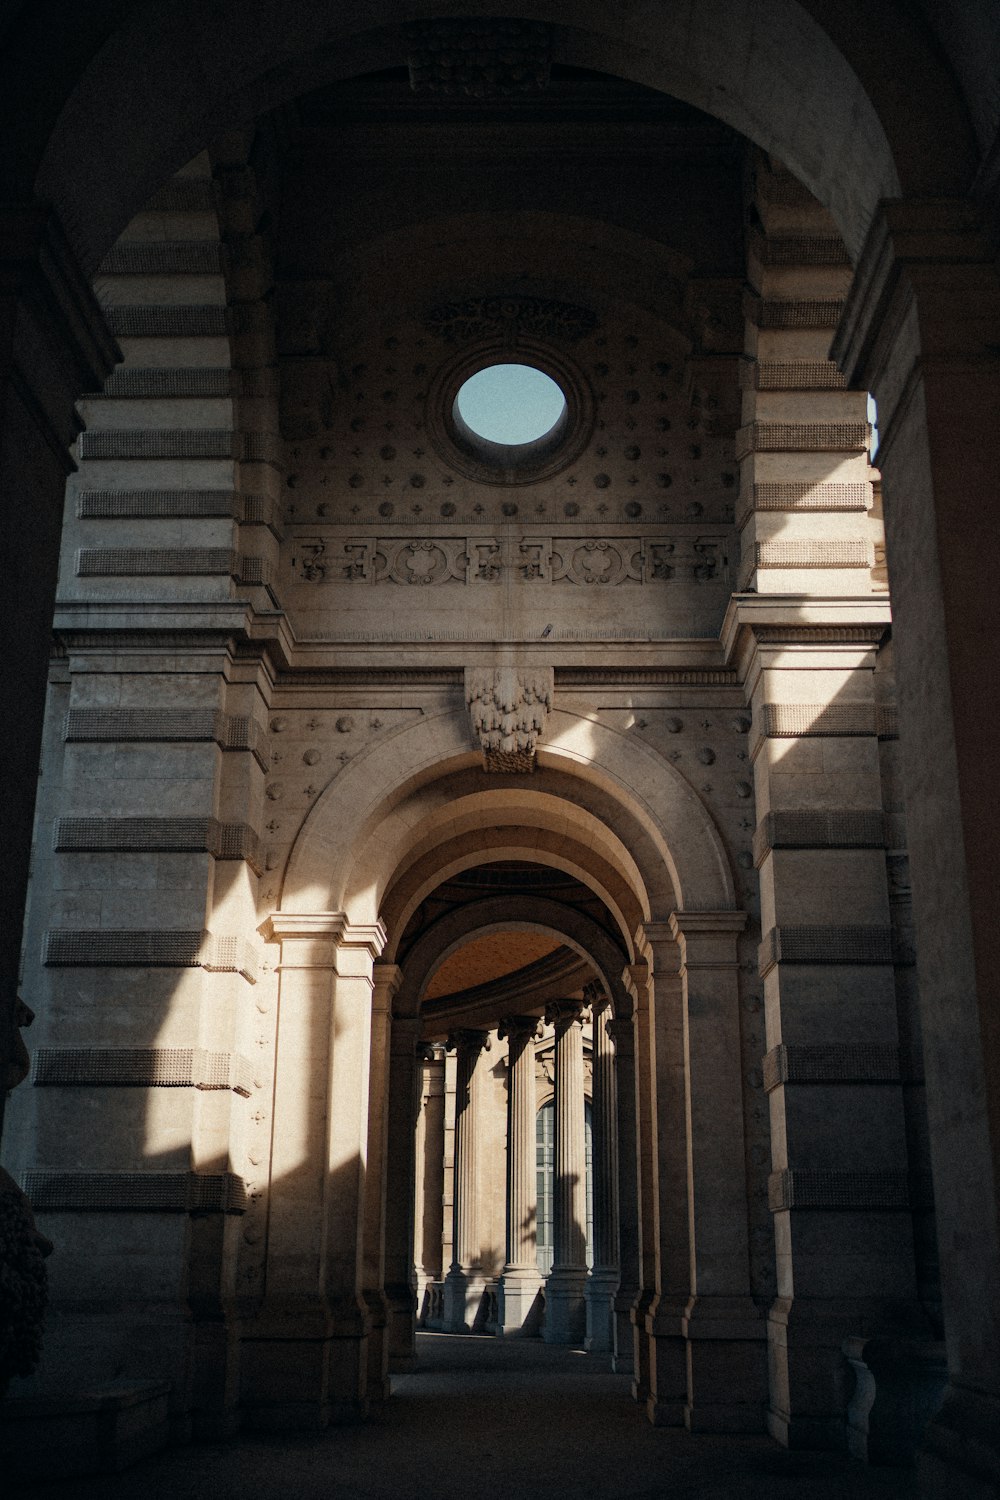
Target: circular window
x=507 y=416
x=510 y=404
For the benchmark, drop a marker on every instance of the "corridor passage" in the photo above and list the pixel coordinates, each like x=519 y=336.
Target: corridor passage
x=490 y=1419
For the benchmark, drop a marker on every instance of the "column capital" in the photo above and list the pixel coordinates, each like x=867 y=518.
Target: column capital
x=635 y=978
x=387 y=978
x=467 y=1040
x=707 y=939
x=566 y=1010
x=597 y=997
x=513 y=1028
x=620 y=1031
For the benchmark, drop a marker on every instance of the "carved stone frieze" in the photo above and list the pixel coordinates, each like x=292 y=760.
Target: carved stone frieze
x=478 y=57
x=492 y=317
x=588 y=560
x=508 y=706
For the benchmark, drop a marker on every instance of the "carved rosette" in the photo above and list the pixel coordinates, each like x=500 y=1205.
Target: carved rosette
x=508 y=707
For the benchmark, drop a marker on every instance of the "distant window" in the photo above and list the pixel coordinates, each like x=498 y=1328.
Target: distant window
x=545 y=1157
x=873 y=419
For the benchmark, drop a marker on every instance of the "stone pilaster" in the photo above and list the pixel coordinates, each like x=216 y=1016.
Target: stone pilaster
x=725 y=1331
x=635 y=978
x=520 y=1283
x=429 y=1196
x=305 y=1354
x=463 y=1288
x=621 y=1035
x=660 y=1351
x=602 y=1283
x=386 y=978
x=402 y=1107
x=920 y=329
x=565 y=1307
x=54 y=345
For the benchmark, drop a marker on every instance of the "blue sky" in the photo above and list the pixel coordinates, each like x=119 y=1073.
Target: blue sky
x=510 y=403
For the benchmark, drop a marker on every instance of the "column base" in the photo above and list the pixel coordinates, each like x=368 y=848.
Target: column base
x=640 y=1345
x=520 y=1304
x=623 y=1351
x=666 y=1398
x=899 y=1385
x=463 y=1300
x=297 y=1384
x=960 y=1450
x=565 y=1307
x=726 y=1365
x=378 y=1346
x=600 y=1294
x=401 y=1303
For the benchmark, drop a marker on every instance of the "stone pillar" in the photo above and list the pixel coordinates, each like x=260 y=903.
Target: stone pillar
x=465 y=1282
x=305 y=1354
x=661 y=1359
x=403 y=1104
x=602 y=1283
x=565 y=1305
x=724 y=1329
x=635 y=978
x=920 y=329
x=520 y=1283
x=429 y=1197
x=621 y=1036
x=386 y=982
x=54 y=345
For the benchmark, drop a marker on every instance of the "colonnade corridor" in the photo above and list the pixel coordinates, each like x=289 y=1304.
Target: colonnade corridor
x=482 y=1418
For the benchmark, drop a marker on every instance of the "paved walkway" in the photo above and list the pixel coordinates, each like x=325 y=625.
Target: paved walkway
x=488 y=1419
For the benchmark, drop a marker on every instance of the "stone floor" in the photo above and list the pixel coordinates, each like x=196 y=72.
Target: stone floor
x=483 y=1419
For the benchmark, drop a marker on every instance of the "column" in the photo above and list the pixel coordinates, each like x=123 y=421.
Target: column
x=620 y=1034
x=465 y=1282
x=519 y=1310
x=429 y=1194
x=660 y=1380
x=305 y=1352
x=602 y=1283
x=54 y=345
x=403 y=1105
x=920 y=329
x=565 y=1305
x=386 y=981
x=724 y=1328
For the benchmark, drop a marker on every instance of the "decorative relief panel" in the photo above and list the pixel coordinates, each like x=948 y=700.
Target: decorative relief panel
x=508 y=706
x=586 y=560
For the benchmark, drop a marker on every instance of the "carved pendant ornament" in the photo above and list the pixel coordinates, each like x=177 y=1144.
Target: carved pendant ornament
x=508 y=707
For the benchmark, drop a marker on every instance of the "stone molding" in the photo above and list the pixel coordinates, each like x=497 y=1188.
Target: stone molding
x=508 y=707
x=479 y=57
x=171 y=322
x=848 y=944
x=328 y=933
x=164 y=257
x=162 y=725
x=145 y=948
x=142 y=1067
x=797 y=375
x=794 y=312
x=773 y=495
x=160 y=835
x=845 y=553
x=805 y=1188
x=836 y=1062
x=798 y=250
x=180 y=442
x=136 y=1192
x=182 y=195
x=798 y=720
x=140 y=562
x=833 y=828
x=151 y=505
x=801 y=437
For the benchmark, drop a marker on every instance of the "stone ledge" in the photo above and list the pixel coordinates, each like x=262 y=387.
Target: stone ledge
x=159 y=835
x=802 y=437
x=849 y=553
x=149 y=948
x=135 y=1192
x=163 y=257
x=833 y=1063
x=811 y=1188
x=841 y=828
x=849 y=945
x=167 y=725
x=142 y=1067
